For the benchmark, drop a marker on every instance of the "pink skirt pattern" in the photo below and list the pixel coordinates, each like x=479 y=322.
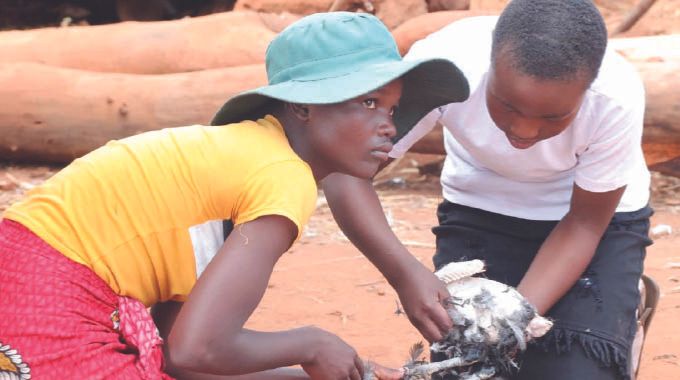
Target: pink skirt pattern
x=59 y=320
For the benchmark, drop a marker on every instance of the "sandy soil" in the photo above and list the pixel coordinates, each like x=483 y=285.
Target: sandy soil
x=325 y=281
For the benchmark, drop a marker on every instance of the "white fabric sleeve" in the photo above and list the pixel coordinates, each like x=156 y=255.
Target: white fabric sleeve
x=424 y=126
x=609 y=162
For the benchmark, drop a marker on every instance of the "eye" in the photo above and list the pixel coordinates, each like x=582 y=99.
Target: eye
x=393 y=110
x=370 y=103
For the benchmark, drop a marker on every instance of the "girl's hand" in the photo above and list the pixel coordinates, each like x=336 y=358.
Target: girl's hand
x=332 y=358
x=422 y=294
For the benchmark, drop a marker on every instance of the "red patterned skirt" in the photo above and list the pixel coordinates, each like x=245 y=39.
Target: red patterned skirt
x=59 y=320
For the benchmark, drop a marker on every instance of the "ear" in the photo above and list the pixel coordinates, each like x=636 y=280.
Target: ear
x=301 y=111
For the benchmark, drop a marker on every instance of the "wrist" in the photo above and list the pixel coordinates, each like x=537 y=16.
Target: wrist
x=311 y=338
x=404 y=270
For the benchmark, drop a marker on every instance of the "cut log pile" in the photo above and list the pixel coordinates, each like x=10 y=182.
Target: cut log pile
x=66 y=91
x=52 y=114
x=191 y=44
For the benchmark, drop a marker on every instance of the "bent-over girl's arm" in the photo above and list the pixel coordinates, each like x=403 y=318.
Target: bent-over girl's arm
x=164 y=315
x=569 y=248
x=357 y=210
x=208 y=335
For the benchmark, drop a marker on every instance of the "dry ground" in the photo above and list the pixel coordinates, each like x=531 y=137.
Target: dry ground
x=325 y=281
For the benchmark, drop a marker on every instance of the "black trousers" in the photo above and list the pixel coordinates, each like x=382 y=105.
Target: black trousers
x=594 y=322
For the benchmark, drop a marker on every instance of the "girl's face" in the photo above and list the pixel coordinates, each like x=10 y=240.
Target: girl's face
x=527 y=109
x=354 y=137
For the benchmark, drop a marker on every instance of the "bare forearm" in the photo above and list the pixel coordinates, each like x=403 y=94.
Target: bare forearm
x=207 y=334
x=257 y=345
x=570 y=247
x=245 y=361
x=274 y=374
x=253 y=351
x=357 y=209
x=559 y=263
x=240 y=351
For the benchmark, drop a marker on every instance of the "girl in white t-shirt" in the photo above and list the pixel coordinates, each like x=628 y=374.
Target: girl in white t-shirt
x=544 y=180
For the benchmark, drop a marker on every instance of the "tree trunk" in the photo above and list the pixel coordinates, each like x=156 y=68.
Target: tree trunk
x=419 y=27
x=51 y=114
x=54 y=115
x=190 y=44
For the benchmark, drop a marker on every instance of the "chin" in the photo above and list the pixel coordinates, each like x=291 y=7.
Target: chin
x=518 y=144
x=367 y=172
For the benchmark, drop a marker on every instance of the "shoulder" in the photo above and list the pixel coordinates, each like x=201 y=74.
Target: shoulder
x=284 y=188
x=251 y=144
x=618 y=85
x=263 y=145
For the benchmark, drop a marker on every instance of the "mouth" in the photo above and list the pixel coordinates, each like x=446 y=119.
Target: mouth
x=382 y=151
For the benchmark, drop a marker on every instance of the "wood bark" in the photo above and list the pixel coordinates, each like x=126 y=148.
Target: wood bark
x=657 y=58
x=391 y=12
x=633 y=16
x=447 y=5
x=219 y=40
x=292 y=6
x=494 y=5
x=54 y=115
x=419 y=27
x=191 y=44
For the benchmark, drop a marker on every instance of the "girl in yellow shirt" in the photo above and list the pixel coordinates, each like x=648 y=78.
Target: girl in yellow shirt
x=145 y=221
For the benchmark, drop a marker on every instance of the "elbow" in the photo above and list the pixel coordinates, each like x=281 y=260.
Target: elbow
x=204 y=353
x=182 y=356
x=190 y=354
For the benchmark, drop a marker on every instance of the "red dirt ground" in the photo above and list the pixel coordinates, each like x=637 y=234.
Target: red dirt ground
x=325 y=281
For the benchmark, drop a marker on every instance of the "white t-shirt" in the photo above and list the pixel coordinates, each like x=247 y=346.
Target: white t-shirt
x=600 y=151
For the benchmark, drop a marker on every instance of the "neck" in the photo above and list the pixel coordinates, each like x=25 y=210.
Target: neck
x=297 y=138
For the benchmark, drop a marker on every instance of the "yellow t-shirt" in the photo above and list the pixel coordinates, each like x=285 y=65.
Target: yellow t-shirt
x=145 y=212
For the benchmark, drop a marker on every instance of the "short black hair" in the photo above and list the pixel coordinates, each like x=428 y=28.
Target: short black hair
x=551 y=39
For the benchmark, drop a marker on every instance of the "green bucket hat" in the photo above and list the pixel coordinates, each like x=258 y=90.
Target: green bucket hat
x=333 y=57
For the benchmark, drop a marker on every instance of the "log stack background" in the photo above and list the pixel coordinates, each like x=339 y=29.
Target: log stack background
x=67 y=90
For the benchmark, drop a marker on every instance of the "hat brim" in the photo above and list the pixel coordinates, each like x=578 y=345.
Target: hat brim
x=428 y=84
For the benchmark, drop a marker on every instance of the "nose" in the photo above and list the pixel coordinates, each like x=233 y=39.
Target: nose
x=387 y=128
x=525 y=128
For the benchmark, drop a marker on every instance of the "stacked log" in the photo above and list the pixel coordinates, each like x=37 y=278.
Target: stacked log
x=191 y=44
x=419 y=27
x=66 y=91
x=391 y=12
x=55 y=115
